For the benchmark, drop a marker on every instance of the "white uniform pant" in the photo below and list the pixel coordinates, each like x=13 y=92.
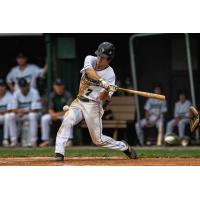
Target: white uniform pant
x=181 y=127
x=92 y=113
x=45 y=127
x=32 y=118
x=4 y=121
x=144 y=122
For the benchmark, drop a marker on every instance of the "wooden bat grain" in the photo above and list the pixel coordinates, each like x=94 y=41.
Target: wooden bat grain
x=144 y=94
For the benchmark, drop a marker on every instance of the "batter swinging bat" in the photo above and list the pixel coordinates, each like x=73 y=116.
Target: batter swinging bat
x=144 y=94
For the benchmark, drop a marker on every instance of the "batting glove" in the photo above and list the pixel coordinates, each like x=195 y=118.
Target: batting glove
x=104 y=84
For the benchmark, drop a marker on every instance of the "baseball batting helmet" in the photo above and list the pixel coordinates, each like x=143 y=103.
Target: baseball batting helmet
x=106 y=49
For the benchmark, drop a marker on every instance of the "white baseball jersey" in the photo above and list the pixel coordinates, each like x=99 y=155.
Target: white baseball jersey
x=5 y=102
x=90 y=91
x=155 y=106
x=30 y=73
x=181 y=109
x=30 y=101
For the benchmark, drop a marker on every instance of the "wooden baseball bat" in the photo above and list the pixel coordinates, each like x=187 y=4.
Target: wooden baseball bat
x=144 y=94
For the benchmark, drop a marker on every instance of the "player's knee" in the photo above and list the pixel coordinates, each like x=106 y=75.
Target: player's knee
x=10 y=116
x=32 y=116
x=181 y=123
x=44 y=118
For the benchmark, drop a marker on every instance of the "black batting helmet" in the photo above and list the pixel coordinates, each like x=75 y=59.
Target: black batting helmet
x=106 y=49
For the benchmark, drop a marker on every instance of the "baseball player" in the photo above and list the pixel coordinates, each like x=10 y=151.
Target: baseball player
x=5 y=106
x=58 y=99
x=181 y=116
x=25 y=106
x=95 y=87
x=24 y=70
x=154 y=110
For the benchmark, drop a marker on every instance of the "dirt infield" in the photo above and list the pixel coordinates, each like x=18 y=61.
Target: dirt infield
x=99 y=161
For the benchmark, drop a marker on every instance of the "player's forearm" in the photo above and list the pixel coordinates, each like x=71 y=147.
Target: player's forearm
x=104 y=96
x=90 y=72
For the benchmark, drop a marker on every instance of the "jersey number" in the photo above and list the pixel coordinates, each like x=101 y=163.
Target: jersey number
x=88 y=92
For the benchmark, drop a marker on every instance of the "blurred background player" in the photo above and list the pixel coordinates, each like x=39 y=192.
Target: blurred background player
x=24 y=70
x=181 y=116
x=154 y=111
x=95 y=87
x=58 y=99
x=5 y=105
x=26 y=107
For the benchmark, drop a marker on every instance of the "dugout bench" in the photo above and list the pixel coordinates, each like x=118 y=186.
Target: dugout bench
x=123 y=112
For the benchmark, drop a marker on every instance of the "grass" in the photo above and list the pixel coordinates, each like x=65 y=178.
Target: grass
x=100 y=152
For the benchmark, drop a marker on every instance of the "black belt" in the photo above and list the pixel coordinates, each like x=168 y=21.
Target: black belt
x=84 y=99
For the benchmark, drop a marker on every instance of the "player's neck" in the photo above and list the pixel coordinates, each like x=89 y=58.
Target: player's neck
x=21 y=67
x=101 y=67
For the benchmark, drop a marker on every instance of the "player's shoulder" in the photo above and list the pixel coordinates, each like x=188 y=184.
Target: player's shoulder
x=188 y=102
x=34 y=91
x=17 y=92
x=110 y=70
x=32 y=66
x=90 y=57
x=15 y=69
x=8 y=94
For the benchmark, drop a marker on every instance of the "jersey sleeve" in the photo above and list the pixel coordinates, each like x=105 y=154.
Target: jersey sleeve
x=14 y=102
x=147 y=105
x=38 y=71
x=187 y=109
x=176 y=112
x=164 y=107
x=90 y=61
x=36 y=103
x=9 y=104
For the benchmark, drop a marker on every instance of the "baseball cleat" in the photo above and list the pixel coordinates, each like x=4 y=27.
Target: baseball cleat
x=59 y=157
x=5 y=143
x=130 y=152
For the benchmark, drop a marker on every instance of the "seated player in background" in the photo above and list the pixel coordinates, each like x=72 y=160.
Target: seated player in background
x=5 y=104
x=58 y=99
x=26 y=106
x=154 y=111
x=181 y=116
x=24 y=70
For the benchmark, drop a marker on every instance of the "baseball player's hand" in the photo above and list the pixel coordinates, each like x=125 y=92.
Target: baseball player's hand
x=104 y=84
x=112 y=88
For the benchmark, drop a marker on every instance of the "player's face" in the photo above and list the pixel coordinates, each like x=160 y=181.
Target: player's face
x=157 y=90
x=24 y=89
x=182 y=97
x=59 y=89
x=102 y=61
x=21 y=61
x=2 y=90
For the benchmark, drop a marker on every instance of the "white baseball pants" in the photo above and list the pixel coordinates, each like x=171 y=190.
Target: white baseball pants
x=45 y=127
x=92 y=112
x=12 y=120
x=181 y=127
x=144 y=122
x=5 y=126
